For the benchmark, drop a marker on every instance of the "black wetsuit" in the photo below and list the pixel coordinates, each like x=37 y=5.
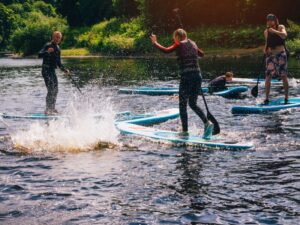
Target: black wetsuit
x=190 y=81
x=217 y=84
x=50 y=62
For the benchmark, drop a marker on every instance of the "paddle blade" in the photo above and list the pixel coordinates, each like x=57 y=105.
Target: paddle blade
x=254 y=91
x=211 y=118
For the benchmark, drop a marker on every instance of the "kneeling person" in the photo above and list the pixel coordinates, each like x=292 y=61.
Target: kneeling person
x=219 y=83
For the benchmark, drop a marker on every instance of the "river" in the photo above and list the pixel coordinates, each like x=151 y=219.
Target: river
x=82 y=171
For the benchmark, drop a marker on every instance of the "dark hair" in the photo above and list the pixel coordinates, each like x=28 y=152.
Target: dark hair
x=274 y=18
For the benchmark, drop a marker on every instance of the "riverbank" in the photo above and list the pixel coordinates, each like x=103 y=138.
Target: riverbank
x=85 y=53
x=209 y=53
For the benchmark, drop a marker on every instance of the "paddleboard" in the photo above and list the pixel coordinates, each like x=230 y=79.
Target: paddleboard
x=274 y=105
x=175 y=91
x=254 y=81
x=232 y=91
x=174 y=137
x=145 y=119
x=155 y=118
x=42 y=116
x=153 y=90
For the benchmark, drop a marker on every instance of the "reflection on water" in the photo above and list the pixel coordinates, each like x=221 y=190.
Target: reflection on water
x=141 y=182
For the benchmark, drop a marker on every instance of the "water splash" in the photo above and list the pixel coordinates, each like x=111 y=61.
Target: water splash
x=293 y=83
x=90 y=126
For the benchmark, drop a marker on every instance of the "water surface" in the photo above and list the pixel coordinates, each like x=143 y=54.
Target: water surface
x=61 y=175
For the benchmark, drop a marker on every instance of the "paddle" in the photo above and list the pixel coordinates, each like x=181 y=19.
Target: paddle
x=254 y=91
x=210 y=117
x=176 y=11
x=2 y=120
x=75 y=83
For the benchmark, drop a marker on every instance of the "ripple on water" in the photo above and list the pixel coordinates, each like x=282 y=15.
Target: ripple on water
x=142 y=182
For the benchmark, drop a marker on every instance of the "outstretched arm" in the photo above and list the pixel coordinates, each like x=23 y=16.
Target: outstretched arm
x=170 y=49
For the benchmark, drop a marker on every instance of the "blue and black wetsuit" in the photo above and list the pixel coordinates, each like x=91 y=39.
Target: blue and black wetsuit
x=217 y=84
x=50 y=62
x=191 y=79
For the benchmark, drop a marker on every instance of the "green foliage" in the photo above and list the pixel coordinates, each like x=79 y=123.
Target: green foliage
x=122 y=26
x=113 y=36
x=236 y=37
x=70 y=39
x=32 y=25
x=294 y=46
x=119 y=36
x=46 y=9
x=293 y=41
x=36 y=33
x=6 y=24
x=293 y=30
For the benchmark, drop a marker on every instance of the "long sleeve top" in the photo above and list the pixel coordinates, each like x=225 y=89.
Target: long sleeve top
x=51 y=60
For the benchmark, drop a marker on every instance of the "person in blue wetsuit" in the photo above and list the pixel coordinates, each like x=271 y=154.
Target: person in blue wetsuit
x=51 y=60
x=190 y=82
x=219 y=83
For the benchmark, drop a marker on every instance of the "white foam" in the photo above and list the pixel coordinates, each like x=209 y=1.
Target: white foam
x=81 y=132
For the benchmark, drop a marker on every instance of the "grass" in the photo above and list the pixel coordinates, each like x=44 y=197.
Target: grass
x=75 y=52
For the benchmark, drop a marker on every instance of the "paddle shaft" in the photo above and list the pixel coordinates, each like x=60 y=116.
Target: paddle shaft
x=263 y=65
x=179 y=18
x=204 y=100
x=2 y=120
x=254 y=90
x=75 y=83
x=6 y=124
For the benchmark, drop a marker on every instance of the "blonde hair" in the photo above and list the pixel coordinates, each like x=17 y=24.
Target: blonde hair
x=56 y=32
x=229 y=74
x=180 y=33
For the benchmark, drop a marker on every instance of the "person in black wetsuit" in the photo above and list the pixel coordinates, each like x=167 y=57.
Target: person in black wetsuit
x=219 y=83
x=51 y=60
x=190 y=82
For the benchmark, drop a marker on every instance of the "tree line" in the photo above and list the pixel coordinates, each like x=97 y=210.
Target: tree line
x=22 y=20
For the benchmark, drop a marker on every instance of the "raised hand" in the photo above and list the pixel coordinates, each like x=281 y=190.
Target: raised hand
x=50 y=50
x=153 y=38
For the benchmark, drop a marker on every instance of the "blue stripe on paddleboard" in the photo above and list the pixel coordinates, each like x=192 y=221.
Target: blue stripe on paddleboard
x=173 y=91
x=42 y=116
x=174 y=137
x=160 y=117
x=153 y=91
x=231 y=91
x=274 y=105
